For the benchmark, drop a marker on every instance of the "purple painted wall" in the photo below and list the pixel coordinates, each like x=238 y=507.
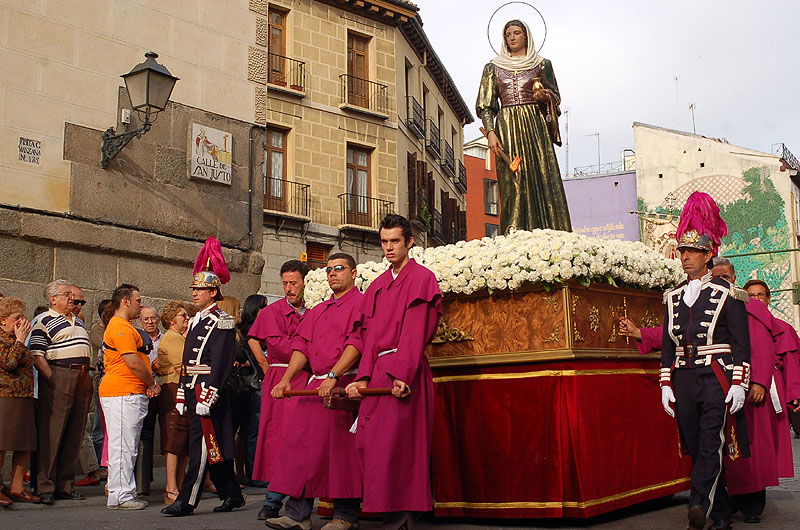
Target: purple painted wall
x=599 y=206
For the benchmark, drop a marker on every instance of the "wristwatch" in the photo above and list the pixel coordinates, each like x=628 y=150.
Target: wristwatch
x=332 y=375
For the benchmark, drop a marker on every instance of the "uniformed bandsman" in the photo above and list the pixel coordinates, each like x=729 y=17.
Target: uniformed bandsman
x=705 y=362
x=207 y=363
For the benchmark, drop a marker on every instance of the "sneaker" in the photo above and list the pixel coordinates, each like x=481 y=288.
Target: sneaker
x=131 y=504
x=268 y=512
x=340 y=524
x=287 y=523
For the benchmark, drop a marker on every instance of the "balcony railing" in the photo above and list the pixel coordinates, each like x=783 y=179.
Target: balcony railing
x=416 y=117
x=423 y=216
x=438 y=226
x=363 y=211
x=286 y=72
x=448 y=160
x=364 y=94
x=461 y=179
x=287 y=197
x=433 y=145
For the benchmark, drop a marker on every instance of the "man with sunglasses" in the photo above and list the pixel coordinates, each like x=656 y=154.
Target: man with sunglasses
x=318 y=457
x=401 y=311
x=60 y=345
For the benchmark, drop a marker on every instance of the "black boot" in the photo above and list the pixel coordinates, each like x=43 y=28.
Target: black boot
x=230 y=503
x=178 y=509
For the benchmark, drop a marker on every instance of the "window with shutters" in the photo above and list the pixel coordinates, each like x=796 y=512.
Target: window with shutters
x=277 y=47
x=357 y=202
x=274 y=169
x=490 y=196
x=491 y=229
x=317 y=254
x=357 y=70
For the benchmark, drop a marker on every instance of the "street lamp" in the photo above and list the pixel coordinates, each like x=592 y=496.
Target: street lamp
x=149 y=86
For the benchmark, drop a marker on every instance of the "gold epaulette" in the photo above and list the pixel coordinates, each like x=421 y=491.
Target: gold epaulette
x=739 y=294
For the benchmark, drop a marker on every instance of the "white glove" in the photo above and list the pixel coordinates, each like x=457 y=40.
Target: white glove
x=202 y=410
x=735 y=398
x=180 y=407
x=667 y=397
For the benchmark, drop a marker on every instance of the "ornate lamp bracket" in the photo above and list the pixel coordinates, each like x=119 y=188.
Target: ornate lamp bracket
x=113 y=143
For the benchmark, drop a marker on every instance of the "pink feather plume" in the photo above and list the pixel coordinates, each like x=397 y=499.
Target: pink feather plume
x=701 y=213
x=212 y=249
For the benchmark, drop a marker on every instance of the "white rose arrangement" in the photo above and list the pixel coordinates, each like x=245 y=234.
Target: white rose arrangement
x=548 y=257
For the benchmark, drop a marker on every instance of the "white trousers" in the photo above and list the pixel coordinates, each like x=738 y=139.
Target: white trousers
x=124 y=416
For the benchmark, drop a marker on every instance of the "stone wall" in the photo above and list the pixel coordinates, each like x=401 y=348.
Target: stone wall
x=36 y=248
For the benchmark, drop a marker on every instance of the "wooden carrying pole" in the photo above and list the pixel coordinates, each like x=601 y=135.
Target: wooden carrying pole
x=339 y=391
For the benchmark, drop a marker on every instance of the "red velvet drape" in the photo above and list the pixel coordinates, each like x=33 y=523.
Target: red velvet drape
x=565 y=439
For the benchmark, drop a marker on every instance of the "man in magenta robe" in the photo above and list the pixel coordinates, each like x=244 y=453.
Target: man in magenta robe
x=401 y=311
x=275 y=327
x=774 y=382
x=318 y=456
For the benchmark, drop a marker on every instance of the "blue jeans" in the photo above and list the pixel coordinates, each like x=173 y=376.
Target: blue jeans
x=272 y=499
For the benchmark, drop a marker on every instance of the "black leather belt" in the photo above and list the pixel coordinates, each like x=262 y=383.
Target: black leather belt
x=71 y=364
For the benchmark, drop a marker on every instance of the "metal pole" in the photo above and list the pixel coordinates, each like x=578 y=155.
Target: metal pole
x=677 y=112
x=761 y=253
x=597 y=134
x=691 y=107
x=566 y=142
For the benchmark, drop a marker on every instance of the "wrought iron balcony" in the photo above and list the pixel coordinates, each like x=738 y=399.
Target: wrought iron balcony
x=286 y=72
x=284 y=198
x=364 y=94
x=360 y=211
x=438 y=226
x=461 y=179
x=416 y=117
x=448 y=160
x=433 y=145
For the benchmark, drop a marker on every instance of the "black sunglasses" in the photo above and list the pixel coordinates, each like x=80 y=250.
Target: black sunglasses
x=337 y=268
x=78 y=302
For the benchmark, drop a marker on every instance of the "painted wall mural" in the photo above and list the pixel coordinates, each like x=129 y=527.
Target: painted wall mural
x=755 y=214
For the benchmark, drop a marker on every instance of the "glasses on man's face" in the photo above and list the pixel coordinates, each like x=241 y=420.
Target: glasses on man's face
x=68 y=294
x=150 y=319
x=78 y=302
x=760 y=296
x=337 y=268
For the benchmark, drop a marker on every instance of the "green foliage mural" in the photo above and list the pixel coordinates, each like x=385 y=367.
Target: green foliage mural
x=757 y=223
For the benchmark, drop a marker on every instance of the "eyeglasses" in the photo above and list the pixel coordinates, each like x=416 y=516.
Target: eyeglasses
x=78 y=302
x=150 y=319
x=68 y=294
x=758 y=295
x=337 y=268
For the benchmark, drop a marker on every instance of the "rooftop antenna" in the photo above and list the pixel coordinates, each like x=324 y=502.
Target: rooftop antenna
x=691 y=108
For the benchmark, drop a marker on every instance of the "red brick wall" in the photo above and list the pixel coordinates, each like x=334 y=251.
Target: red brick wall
x=476 y=217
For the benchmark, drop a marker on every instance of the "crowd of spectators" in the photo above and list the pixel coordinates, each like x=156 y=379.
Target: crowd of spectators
x=78 y=410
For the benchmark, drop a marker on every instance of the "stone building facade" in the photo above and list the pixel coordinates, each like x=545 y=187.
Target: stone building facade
x=343 y=81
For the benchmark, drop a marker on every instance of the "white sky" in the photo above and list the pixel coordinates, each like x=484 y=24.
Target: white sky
x=615 y=62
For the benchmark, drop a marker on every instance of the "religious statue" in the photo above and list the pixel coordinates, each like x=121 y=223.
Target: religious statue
x=518 y=103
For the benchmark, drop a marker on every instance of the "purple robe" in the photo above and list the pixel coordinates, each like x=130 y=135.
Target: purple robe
x=318 y=457
x=787 y=380
x=394 y=436
x=275 y=326
x=749 y=475
x=651 y=340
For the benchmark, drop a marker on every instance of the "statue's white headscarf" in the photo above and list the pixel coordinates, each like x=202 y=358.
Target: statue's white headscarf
x=527 y=62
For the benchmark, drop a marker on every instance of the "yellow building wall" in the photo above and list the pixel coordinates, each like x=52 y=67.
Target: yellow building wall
x=61 y=61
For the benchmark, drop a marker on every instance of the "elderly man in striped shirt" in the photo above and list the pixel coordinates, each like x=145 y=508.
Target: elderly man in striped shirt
x=60 y=345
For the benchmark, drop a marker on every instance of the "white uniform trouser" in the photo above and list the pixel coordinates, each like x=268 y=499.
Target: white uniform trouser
x=124 y=416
